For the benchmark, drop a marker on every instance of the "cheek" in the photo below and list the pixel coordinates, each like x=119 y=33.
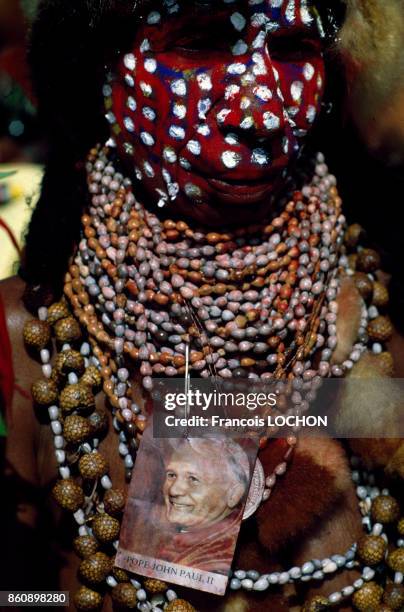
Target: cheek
x=302 y=87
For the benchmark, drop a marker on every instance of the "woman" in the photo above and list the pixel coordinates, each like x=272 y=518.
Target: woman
x=208 y=106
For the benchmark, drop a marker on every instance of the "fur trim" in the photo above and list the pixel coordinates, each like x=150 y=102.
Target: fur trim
x=371 y=44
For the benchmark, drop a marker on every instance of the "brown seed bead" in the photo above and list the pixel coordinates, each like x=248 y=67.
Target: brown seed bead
x=99 y=422
x=380 y=329
x=317 y=604
x=393 y=596
x=385 y=509
x=154 y=586
x=368 y=260
x=179 y=605
x=114 y=501
x=371 y=549
x=363 y=284
x=352 y=258
x=76 y=429
x=70 y=361
x=76 y=396
x=57 y=311
x=85 y=546
x=67 y=330
x=105 y=528
x=395 y=560
x=124 y=596
x=37 y=334
x=119 y=574
x=400 y=527
x=368 y=597
x=92 y=377
x=353 y=235
x=44 y=392
x=93 y=466
x=380 y=295
x=87 y=599
x=95 y=568
x=68 y=494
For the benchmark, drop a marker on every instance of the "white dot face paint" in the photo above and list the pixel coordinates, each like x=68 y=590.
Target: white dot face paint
x=238 y=21
x=150 y=65
x=231 y=110
x=204 y=82
x=179 y=87
x=231 y=159
x=296 y=90
x=195 y=147
x=179 y=110
x=129 y=61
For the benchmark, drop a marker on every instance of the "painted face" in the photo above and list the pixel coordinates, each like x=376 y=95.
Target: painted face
x=211 y=106
x=197 y=492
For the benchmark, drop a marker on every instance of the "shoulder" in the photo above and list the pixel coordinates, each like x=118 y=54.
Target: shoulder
x=11 y=292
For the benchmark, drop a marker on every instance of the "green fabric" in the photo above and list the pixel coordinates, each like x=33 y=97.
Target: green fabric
x=3 y=431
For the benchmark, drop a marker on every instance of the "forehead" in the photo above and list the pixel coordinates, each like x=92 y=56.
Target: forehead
x=268 y=14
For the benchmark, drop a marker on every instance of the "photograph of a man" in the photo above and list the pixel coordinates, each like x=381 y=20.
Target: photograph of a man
x=205 y=481
x=185 y=507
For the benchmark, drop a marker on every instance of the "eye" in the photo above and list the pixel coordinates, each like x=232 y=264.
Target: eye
x=170 y=475
x=295 y=47
x=193 y=480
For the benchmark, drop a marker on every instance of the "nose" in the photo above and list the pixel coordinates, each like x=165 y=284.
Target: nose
x=178 y=488
x=252 y=103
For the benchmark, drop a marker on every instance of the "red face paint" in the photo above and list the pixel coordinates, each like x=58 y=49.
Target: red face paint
x=211 y=106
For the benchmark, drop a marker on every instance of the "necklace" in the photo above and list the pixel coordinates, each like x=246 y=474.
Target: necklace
x=104 y=308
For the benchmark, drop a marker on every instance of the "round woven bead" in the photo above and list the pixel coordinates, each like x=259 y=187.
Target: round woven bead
x=154 y=586
x=368 y=597
x=76 y=396
x=68 y=494
x=124 y=596
x=119 y=574
x=380 y=329
x=57 y=311
x=105 y=528
x=393 y=596
x=179 y=605
x=92 y=378
x=44 y=392
x=353 y=235
x=87 y=599
x=85 y=546
x=385 y=509
x=400 y=527
x=99 y=422
x=363 y=284
x=95 y=568
x=317 y=604
x=93 y=465
x=372 y=549
x=380 y=295
x=368 y=260
x=114 y=501
x=67 y=330
x=76 y=429
x=395 y=560
x=37 y=334
x=70 y=361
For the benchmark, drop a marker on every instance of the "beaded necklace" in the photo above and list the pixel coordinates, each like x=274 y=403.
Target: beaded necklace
x=224 y=295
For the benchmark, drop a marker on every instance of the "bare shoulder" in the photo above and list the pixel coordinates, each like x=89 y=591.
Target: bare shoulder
x=11 y=292
x=24 y=431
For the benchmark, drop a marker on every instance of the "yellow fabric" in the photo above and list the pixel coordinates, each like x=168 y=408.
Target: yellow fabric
x=16 y=213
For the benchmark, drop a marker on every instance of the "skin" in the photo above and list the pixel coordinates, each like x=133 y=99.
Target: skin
x=212 y=127
x=196 y=492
